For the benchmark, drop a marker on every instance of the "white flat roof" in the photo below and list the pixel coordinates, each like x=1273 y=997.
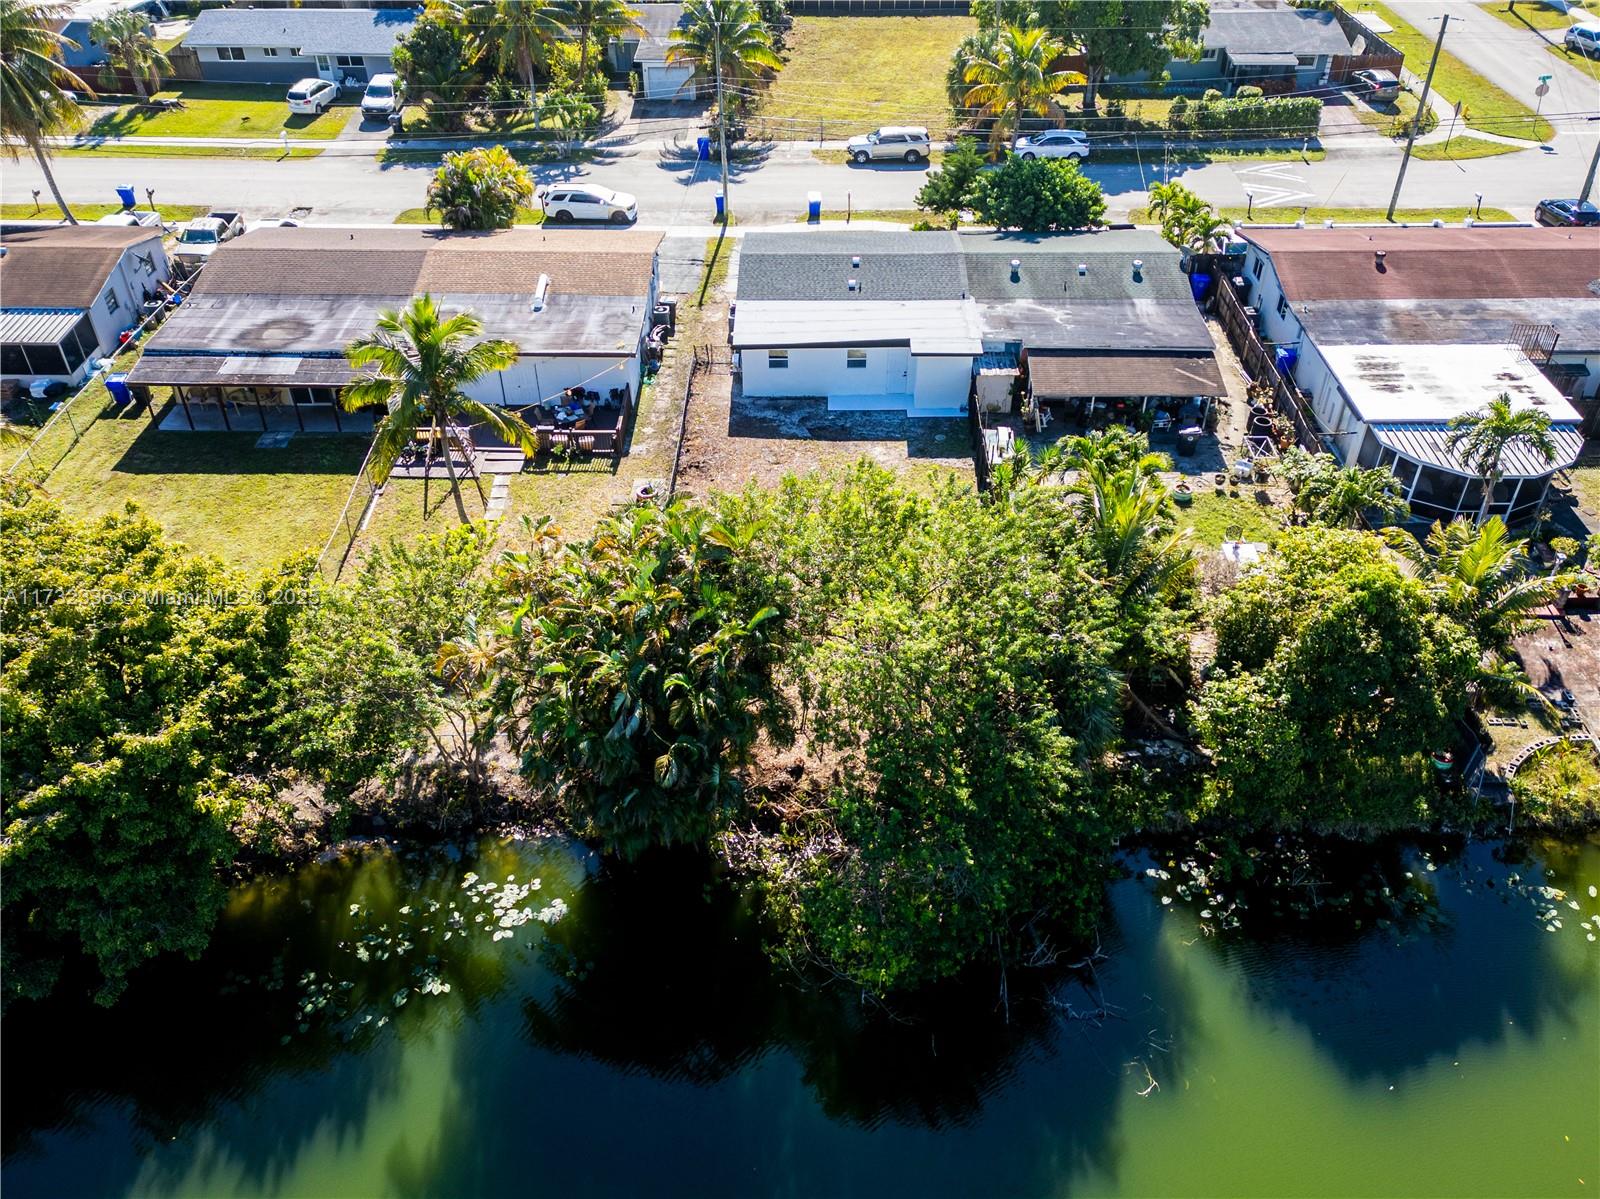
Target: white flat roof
x=1438 y=382
x=927 y=326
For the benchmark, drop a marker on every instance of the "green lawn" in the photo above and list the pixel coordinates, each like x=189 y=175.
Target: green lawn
x=1488 y=107
x=224 y=110
x=1214 y=518
x=528 y=156
x=1312 y=216
x=902 y=216
x=1461 y=148
x=1179 y=154
x=1394 y=119
x=214 y=491
x=1533 y=14
x=134 y=150
x=846 y=75
x=92 y=212
x=421 y=216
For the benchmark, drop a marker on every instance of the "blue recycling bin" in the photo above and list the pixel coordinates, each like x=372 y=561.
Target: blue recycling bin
x=722 y=207
x=813 y=206
x=126 y=195
x=702 y=146
x=1199 y=283
x=121 y=394
x=1284 y=359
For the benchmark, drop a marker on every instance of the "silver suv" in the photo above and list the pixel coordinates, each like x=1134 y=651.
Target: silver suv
x=901 y=143
x=1585 y=39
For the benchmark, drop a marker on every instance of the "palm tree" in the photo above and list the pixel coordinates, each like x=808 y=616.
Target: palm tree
x=35 y=88
x=1480 y=439
x=1342 y=497
x=517 y=33
x=126 y=37
x=1017 y=80
x=423 y=360
x=1167 y=198
x=600 y=20
x=1126 y=514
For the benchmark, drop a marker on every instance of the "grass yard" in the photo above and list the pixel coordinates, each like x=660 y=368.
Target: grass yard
x=1360 y=216
x=421 y=216
x=1213 y=519
x=1462 y=148
x=93 y=212
x=127 y=150
x=1394 y=120
x=846 y=75
x=527 y=156
x=899 y=216
x=1488 y=107
x=1534 y=14
x=224 y=110
x=213 y=491
x=1179 y=154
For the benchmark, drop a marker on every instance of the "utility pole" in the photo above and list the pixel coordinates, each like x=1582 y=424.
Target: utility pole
x=1416 y=121
x=1588 y=180
x=722 y=116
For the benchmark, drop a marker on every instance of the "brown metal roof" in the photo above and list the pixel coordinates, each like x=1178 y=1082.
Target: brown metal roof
x=1424 y=263
x=63 y=266
x=1073 y=376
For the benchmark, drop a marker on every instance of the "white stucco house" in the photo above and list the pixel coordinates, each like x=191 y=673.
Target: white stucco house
x=1392 y=332
x=68 y=292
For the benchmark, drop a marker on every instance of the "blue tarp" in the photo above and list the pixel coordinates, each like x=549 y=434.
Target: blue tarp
x=1285 y=359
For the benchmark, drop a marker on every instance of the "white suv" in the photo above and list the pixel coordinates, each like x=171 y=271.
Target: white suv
x=564 y=202
x=1053 y=143
x=312 y=96
x=904 y=143
x=1585 y=39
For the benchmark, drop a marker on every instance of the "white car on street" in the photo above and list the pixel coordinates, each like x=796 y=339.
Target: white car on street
x=312 y=96
x=1053 y=143
x=897 y=143
x=563 y=202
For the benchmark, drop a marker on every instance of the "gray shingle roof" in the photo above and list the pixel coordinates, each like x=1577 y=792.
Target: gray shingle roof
x=819 y=266
x=657 y=21
x=315 y=30
x=1049 y=267
x=1254 y=30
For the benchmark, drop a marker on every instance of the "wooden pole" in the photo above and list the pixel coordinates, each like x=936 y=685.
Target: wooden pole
x=1416 y=121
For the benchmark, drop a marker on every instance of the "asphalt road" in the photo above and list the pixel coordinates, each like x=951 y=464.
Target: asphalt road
x=675 y=190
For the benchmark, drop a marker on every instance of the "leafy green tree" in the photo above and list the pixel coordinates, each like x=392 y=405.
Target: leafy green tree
x=1017 y=81
x=363 y=696
x=1037 y=195
x=951 y=188
x=137 y=691
x=516 y=34
x=129 y=44
x=1325 y=493
x=1122 y=37
x=634 y=678
x=438 y=61
x=569 y=114
x=36 y=90
x=596 y=22
x=1482 y=438
x=423 y=362
x=1335 y=678
x=481 y=188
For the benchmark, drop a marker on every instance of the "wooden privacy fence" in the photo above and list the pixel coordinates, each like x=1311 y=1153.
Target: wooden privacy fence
x=1259 y=364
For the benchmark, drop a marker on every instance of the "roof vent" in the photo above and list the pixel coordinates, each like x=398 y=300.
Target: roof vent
x=1437 y=223
x=540 y=292
x=1377 y=259
x=855 y=261
x=1138 y=269
x=1328 y=223
x=1016 y=270
x=1083 y=269
x=854 y=285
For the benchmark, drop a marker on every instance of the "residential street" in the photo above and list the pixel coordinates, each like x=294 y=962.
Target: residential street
x=674 y=190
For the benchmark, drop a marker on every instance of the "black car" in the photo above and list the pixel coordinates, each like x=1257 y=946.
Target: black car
x=1566 y=213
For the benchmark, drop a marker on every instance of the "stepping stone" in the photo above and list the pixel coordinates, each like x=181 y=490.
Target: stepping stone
x=499 y=498
x=274 y=441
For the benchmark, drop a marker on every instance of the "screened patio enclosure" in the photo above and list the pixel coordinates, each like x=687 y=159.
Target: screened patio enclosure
x=1439 y=486
x=39 y=341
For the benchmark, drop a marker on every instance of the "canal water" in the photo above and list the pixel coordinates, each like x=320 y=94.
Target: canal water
x=523 y=1018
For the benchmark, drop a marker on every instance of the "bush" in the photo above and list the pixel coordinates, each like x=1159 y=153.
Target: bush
x=479 y=189
x=1288 y=116
x=1559 y=788
x=1247 y=93
x=1037 y=195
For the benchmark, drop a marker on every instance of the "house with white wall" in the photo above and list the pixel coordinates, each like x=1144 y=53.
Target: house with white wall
x=1392 y=332
x=68 y=293
x=270 y=317
x=283 y=45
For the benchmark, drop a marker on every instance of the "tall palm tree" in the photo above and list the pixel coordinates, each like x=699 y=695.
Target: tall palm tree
x=1126 y=514
x=1480 y=439
x=600 y=20
x=1341 y=497
x=1018 y=80
x=423 y=361
x=129 y=45
x=518 y=34
x=35 y=99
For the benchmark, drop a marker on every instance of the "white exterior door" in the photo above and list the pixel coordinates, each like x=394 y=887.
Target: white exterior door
x=897 y=371
x=325 y=67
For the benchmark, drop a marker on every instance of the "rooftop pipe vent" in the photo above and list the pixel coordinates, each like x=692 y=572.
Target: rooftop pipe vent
x=854 y=285
x=855 y=261
x=1083 y=269
x=1016 y=270
x=1138 y=269
x=540 y=292
x=1377 y=259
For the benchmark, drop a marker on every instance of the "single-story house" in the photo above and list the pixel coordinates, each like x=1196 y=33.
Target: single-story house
x=1392 y=332
x=67 y=292
x=646 y=51
x=904 y=321
x=272 y=313
x=74 y=24
x=282 y=45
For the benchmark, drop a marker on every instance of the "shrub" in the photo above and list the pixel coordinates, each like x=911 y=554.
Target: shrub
x=1559 y=788
x=479 y=189
x=1037 y=195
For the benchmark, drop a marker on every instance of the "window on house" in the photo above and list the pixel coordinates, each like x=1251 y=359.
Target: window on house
x=1283 y=305
x=855 y=359
x=230 y=53
x=1208 y=55
x=777 y=360
x=1306 y=60
x=350 y=60
x=270 y=51
x=111 y=301
x=1256 y=269
x=294 y=52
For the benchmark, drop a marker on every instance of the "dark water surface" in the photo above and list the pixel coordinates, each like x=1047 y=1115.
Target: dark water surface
x=357 y=1029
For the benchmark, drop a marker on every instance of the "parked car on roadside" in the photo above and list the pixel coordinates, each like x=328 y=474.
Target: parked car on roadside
x=563 y=202
x=276 y=222
x=312 y=96
x=1382 y=86
x=383 y=96
x=141 y=217
x=898 y=143
x=199 y=238
x=1052 y=143
x=1566 y=213
x=1585 y=39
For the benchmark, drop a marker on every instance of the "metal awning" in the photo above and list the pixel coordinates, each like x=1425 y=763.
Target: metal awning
x=37 y=326
x=1076 y=376
x=236 y=370
x=1427 y=442
x=1263 y=60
